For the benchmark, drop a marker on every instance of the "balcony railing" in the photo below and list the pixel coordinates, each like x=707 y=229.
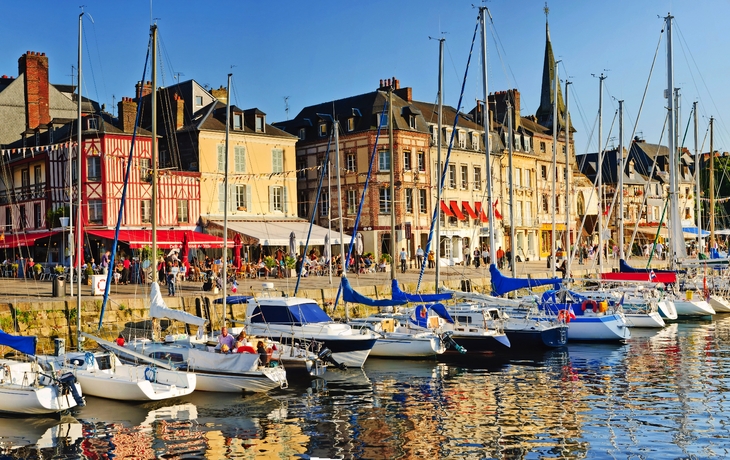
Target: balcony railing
x=28 y=193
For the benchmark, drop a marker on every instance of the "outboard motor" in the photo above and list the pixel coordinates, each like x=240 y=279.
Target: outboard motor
x=451 y=343
x=326 y=355
x=67 y=382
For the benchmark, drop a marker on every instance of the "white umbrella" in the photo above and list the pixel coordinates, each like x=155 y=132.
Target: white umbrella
x=293 y=245
x=358 y=244
x=327 y=252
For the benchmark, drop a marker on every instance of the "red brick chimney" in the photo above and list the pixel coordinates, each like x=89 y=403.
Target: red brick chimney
x=221 y=94
x=127 y=114
x=179 y=111
x=143 y=90
x=35 y=68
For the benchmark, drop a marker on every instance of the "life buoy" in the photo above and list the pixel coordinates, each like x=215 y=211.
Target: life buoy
x=563 y=316
x=589 y=303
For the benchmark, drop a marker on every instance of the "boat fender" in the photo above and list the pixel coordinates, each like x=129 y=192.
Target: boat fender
x=589 y=303
x=150 y=374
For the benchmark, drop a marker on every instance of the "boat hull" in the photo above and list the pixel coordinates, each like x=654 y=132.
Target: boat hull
x=479 y=343
x=598 y=328
x=693 y=308
x=249 y=382
x=24 y=400
x=127 y=384
x=650 y=320
x=523 y=339
x=719 y=304
x=395 y=345
x=350 y=350
x=667 y=310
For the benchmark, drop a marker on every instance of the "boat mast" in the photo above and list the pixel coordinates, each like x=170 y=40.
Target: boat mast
x=556 y=127
x=566 y=249
x=224 y=256
x=599 y=169
x=712 y=182
x=620 y=210
x=336 y=125
x=511 y=187
x=393 y=245
x=153 y=149
x=485 y=121
x=439 y=169
x=80 y=247
x=698 y=210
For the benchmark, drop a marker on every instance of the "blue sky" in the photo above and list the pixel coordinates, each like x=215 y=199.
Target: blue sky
x=318 y=51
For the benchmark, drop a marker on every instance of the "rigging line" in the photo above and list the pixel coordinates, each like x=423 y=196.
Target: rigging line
x=98 y=56
x=498 y=45
x=437 y=207
x=90 y=64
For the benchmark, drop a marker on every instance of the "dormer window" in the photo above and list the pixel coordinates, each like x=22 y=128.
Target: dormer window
x=322 y=129
x=350 y=125
x=260 y=124
x=238 y=121
x=412 y=121
x=198 y=101
x=302 y=133
x=92 y=124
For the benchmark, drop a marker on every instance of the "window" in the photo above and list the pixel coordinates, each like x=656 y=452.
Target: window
x=412 y=121
x=409 y=201
x=37 y=175
x=545 y=203
x=687 y=213
x=516 y=176
x=93 y=168
x=260 y=124
x=475 y=141
x=302 y=133
x=526 y=141
x=239 y=153
x=434 y=134
x=221 y=158
x=462 y=139
x=350 y=125
x=542 y=147
x=277 y=160
x=322 y=129
x=557 y=203
x=23 y=218
x=93 y=124
x=8 y=219
x=477 y=178
x=301 y=166
x=452 y=176
x=407 y=160
x=182 y=211
x=384 y=200
x=352 y=201
x=384 y=120
x=384 y=160
x=543 y=171
x=464 y=177
x=25 y=178
x=350 y=162
x=277 y=199
x=242 y=198
x=37 y=215
x=95 y=214
x=145 y=169
x=198 y=101
x=303 y=204
x=145 y=211
x=238 y=121
x=324 y=204
x=527 y=182
x=422 y=205
x=421 y=161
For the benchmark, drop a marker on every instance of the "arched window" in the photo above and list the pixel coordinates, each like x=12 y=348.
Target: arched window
x=581 y=204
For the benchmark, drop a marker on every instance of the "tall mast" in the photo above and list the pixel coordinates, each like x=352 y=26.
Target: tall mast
x=676 y=235
x=712 y=181
x=439 y=185
x=485 y=121
x=394 y=246
x=154 y=147
x=336 y=125
x=79 y=248
x=599 y=167
x=566 y=248
x=556 y=127
x=511 y=188
x=620 y=210
x=698 y=210
x=224 y=256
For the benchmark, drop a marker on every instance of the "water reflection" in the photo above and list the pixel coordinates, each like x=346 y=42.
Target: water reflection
x=663 y=394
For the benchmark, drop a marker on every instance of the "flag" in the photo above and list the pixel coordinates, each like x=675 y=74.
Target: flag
x=652 y=276
x=621 y=302
x=234 y=287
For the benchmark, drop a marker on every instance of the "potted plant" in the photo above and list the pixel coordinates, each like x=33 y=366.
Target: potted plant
x=290 y=263
x=270 y=263
x=58 y=270
x=37 y=270
x=89 y=272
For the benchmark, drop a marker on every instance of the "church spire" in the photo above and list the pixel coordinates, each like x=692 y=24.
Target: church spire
x=544 y=113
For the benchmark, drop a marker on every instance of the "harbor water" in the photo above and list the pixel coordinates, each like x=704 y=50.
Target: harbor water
x=664 y=394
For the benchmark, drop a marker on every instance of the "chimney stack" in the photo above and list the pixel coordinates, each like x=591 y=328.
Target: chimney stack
x=142 y=90
x=35 y=68
x=221 y=94
x=498 y=103
x=127 y=114
x=179 y=111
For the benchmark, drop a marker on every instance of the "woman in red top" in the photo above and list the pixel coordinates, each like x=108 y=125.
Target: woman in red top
x=125 y=271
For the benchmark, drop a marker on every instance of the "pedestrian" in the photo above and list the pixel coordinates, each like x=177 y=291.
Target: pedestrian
x=170 y=280
x=125 y=270
x=485 y=255
x=431 y=259
x=508 y=258
x=403 y=259
x=105 y=262
x=500 y=257
x=467 y=255
x=419 y=257
x=477 y=256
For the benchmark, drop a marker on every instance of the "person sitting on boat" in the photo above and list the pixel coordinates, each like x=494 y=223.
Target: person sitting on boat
x=263 y=353
x=225 y=339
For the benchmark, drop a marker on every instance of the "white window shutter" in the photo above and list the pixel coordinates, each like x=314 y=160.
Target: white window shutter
x=249 y=203
x=221 y=196
x=271 y=199
x=286 y=201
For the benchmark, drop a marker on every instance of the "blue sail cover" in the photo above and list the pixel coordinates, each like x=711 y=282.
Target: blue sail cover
x=502 y=284
x=420 y=314
x=234 y=299
x=296 y=315
x=398 y=294
x=624 y=267
x=22 y=344
x=350 y=295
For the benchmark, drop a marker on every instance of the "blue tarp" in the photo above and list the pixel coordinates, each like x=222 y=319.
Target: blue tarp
x=421 y=314
x=350 y=295
x=398 y=294
x=693 y=231
x=502 y=284
x=234 y=299
x=296 y=315
x=22 y=344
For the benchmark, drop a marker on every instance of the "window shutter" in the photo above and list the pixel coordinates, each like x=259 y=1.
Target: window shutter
x=221 y=159
x=285 y=205
x=271 y=198
x=221 y=196
x=249 y=204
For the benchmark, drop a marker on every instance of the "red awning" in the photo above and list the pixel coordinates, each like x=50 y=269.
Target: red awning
x=482 y=215
x=166 y=239
x=447 y=212
x=24 y=239
x=468 y=209
x=455 y=208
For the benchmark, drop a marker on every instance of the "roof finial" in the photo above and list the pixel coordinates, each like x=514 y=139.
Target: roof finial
x=547 y=11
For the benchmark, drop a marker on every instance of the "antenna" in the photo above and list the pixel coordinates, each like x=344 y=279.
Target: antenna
x=286 y=106
x=177 y=76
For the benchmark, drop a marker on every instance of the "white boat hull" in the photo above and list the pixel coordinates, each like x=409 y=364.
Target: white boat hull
x=598 y=328
x=719 y=304
x=693 y=308
x=667 y=309
x=653 y=320
x=253 y=382
x=19 y=394
x=398 y=345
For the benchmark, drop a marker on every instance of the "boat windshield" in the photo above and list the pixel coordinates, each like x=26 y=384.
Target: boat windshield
x=296 y=315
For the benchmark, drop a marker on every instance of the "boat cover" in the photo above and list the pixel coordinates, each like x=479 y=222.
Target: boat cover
x=502 y=284
x=159 y=309
x=295 y=315
x=420 y=314
x=398 y=294
x=350 y=295
x=234 y=299
x=222 y=362
x=22 y=344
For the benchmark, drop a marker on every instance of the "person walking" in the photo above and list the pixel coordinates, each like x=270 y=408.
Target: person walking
x=170 y=280
x=467 y=255
x=419 y=257
x=403 y=259
x=477 y=257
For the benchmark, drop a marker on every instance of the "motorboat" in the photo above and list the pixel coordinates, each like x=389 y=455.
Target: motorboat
x=396 y=339
x=591 y=320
